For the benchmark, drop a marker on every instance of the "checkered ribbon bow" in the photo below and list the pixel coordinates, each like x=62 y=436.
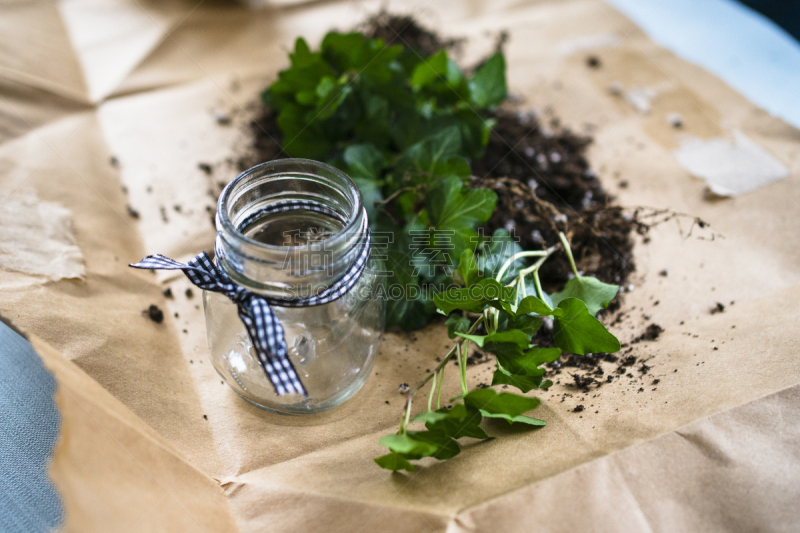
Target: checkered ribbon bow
x=264 y=328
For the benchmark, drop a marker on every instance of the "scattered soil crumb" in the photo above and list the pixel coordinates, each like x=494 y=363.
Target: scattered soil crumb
x=155 y=314
x=593 y=62
x=652 y=333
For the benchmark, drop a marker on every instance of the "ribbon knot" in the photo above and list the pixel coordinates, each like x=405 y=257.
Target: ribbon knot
x=265 y=330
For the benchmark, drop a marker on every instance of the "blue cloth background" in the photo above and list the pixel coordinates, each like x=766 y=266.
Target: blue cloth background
x=29 y=427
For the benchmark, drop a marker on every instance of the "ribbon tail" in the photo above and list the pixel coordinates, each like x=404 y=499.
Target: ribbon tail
x=267 y=336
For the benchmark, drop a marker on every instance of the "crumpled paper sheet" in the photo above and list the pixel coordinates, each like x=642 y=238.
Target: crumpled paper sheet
x=712 y=448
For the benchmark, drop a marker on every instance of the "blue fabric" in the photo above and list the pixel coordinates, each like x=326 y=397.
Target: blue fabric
x=745 y=49
x=29 y=426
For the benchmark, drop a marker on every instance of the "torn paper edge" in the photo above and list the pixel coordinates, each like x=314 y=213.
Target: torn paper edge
x=37 y=238
x=730 y=167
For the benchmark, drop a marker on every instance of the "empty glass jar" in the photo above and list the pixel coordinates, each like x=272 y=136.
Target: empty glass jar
x=290 y=253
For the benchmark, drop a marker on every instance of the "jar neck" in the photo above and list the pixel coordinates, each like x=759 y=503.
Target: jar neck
x=289 y=228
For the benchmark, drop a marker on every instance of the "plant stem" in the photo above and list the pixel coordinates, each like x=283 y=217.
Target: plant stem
x=567 y=249
x=462 y=365
x=439 y=368
x=538 y=285
x=439 y=392
x=433 y=391
x=510 y=260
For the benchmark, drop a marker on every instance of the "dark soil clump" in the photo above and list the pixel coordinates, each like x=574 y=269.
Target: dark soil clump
x=406 y=31
x=652 y=333
x=155 y=314
x=544 y=185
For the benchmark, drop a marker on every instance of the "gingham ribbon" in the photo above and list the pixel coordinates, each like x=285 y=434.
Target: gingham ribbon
x=264 y=328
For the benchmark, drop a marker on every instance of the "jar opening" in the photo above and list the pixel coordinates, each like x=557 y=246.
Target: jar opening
x=287 y=223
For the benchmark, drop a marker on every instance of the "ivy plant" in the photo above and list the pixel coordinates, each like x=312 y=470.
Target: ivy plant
x=499 y=318
x=404 y=127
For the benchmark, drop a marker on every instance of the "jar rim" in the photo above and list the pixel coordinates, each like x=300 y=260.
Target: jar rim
x=353 y=218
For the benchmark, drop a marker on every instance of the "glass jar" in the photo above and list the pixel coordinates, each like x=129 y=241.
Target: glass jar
x=297 y=252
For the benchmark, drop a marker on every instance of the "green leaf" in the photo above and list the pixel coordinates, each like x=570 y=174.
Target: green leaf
x=522 y=382
x=363 y=161
x=532 y=304
x=490 y=403
x=468 y=268
x=528 y=363
x=525 y=323
x=473 y=298
x=521 y=419
x=445 y=447
x=506 y=307
x=591 y=291
x=488 y=86
x=394 y=461
x=579 y=332
x=515 y=337
x=430 y=416
x=496 y=252
x=433 y=151
x=429 y=70
x=408 y=444
x=456 y=324
x=460 y=421
x=449 y=205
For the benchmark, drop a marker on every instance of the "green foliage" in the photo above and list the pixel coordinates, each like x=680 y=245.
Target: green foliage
x=591 y=291
x=510 y=324
x=403 y=127
x=496 y=252
x=473 y=298
x=579 y=332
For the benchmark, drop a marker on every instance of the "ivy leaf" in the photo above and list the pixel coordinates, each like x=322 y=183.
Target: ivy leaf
x=532 y=304
x=409 y=445
x=449 y=205
x=522 y=382
x=456 y=324
x=473 y=298
x=496 y=252
x=429 y=70
x=488 y=86
x=460 y=421
x=501 y=405
x=433 y=152
x=525 y=323
x=515 y=337
x=430 y=416
x=363 y=161
x=468 y=268
x=528 y=363
x=578 y=332
x=505 y=307
x=521 y=419
x=445 y=447
x=591 y=291
x=394 y=461
x=331 y=94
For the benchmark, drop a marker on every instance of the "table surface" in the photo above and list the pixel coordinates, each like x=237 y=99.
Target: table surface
x=764 y=66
